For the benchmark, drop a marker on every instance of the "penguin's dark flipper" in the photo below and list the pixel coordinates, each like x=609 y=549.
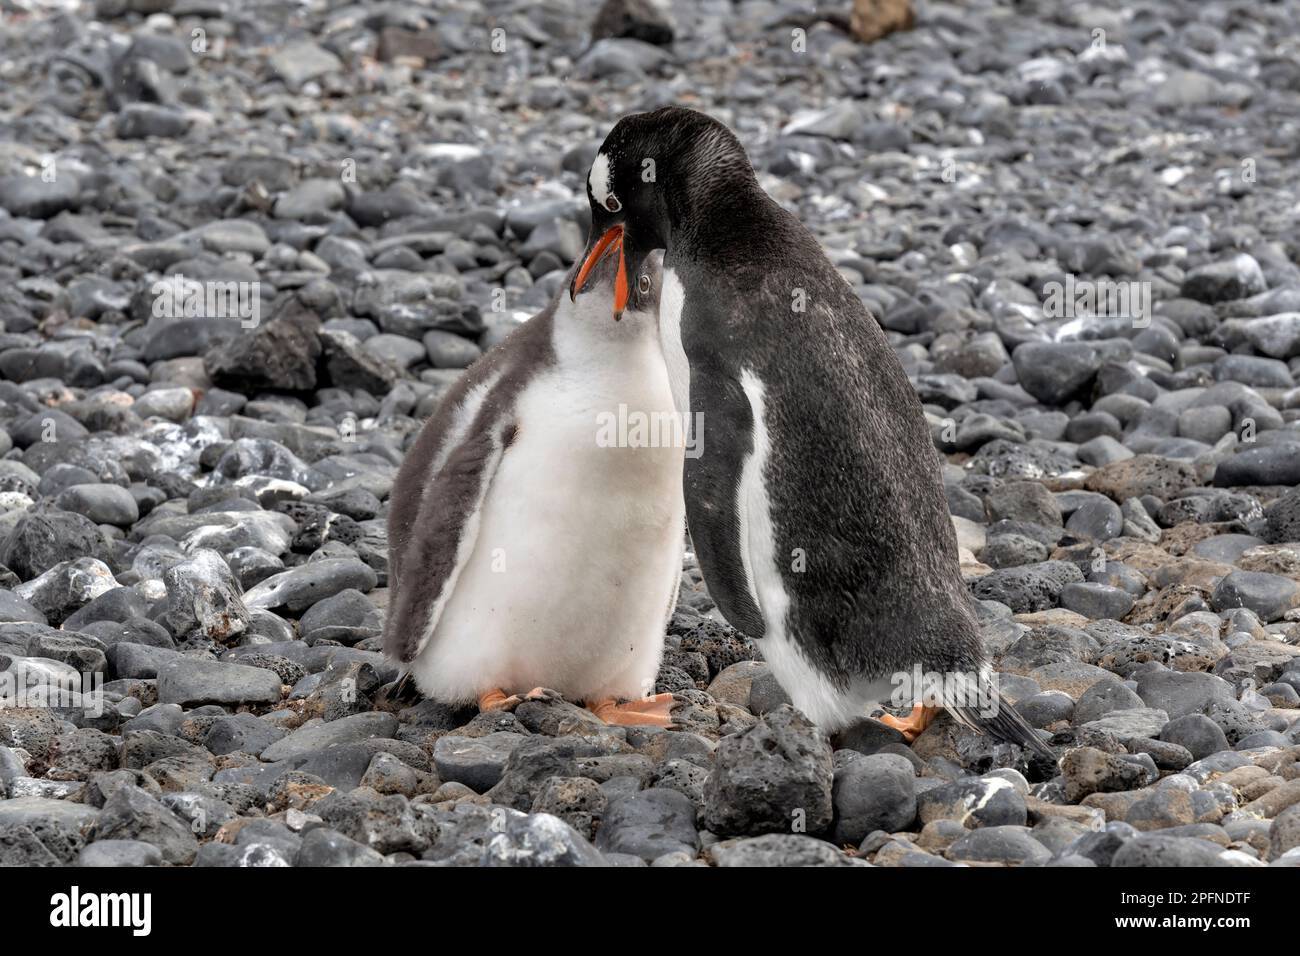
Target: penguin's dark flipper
x=443 y=537
x=1001 y=721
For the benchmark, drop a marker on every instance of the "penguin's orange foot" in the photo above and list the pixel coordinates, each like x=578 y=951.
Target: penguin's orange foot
x=656 y=711
x=914 y=723
x=497 y=699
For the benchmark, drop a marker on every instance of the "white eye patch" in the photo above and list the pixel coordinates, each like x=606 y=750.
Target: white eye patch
x=601 y=183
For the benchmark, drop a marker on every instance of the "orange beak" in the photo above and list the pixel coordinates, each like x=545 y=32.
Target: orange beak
x=612 y=238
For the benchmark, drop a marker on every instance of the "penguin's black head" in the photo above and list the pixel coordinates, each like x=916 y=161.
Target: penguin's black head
x=650 y=174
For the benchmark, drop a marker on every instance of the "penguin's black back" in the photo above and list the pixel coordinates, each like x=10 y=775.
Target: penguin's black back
x=852 y=475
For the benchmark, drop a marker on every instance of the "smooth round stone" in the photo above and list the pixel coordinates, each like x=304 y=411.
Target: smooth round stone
x=114 y=606
x=766 y=694
x=1206 y=424
x=13 y=608
x=1268 y=595
x=102 y=504
x=1028 y=501
x=361 y=329
x=1126 y=407
x=1263 y=738
x=1098 y=518
x=1044 y=425
x=173 y=404
x=1260 y=465
x=325 y=847
x=1253 y=370
x=1154 y=850
x=649 y=824
x=1083 y=428
x=476 y=762
x=1119 y=575
x=448 y=350
x=1227 y=279
x=310 y=201
x=1242 y=619
x=1283 y=693
x=347 y=618
x=973 y=802
x=1105 y=697
x=1000 y=844
x=191 y=682
x=1197 y=733
x=963 y=504
x=1180 y=449
x=252 y=565
x=1046 y=708
x=1225 y=548
x=145 y=120
x=1167 y=756
x=1096 y=601
x=119 y=853
x=35 y=197
x=62 y=476
x=1102 y=450
x=875 y=792
x=396 y=349
x=300 y=587
x=1158 y=342
x=1276 y=335
x=1053 y=372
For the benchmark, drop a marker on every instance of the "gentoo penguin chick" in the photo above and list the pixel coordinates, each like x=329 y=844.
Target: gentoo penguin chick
x=532 y=546
x=817 y=509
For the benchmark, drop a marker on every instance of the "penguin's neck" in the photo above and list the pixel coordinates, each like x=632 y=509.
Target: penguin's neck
x=719 y=212
x=585 y=333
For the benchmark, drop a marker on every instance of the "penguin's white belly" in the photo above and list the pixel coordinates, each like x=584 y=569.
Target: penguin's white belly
x=577 y=559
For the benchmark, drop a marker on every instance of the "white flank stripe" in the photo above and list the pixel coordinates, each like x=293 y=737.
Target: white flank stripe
x=465 y=547
x=808 y=687
x=465 y=414
x=671 y=300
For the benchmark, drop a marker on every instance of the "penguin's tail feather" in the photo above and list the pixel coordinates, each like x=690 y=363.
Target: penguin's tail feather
x=994 y=716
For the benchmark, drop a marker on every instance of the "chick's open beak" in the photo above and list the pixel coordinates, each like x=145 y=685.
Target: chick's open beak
x=611 y=241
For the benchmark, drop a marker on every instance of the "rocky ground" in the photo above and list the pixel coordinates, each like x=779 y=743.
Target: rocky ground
x=192 y=508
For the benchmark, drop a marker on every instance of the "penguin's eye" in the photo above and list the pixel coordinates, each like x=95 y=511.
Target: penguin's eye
x=643 y=285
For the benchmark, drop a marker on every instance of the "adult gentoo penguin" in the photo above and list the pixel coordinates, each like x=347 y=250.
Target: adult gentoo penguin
x=817 y=509
x=528 y=550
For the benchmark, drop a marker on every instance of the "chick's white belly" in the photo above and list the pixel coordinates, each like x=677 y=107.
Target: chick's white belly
x=571 y=577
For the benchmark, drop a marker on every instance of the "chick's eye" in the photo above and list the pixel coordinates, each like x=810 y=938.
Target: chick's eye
x=643 y=285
